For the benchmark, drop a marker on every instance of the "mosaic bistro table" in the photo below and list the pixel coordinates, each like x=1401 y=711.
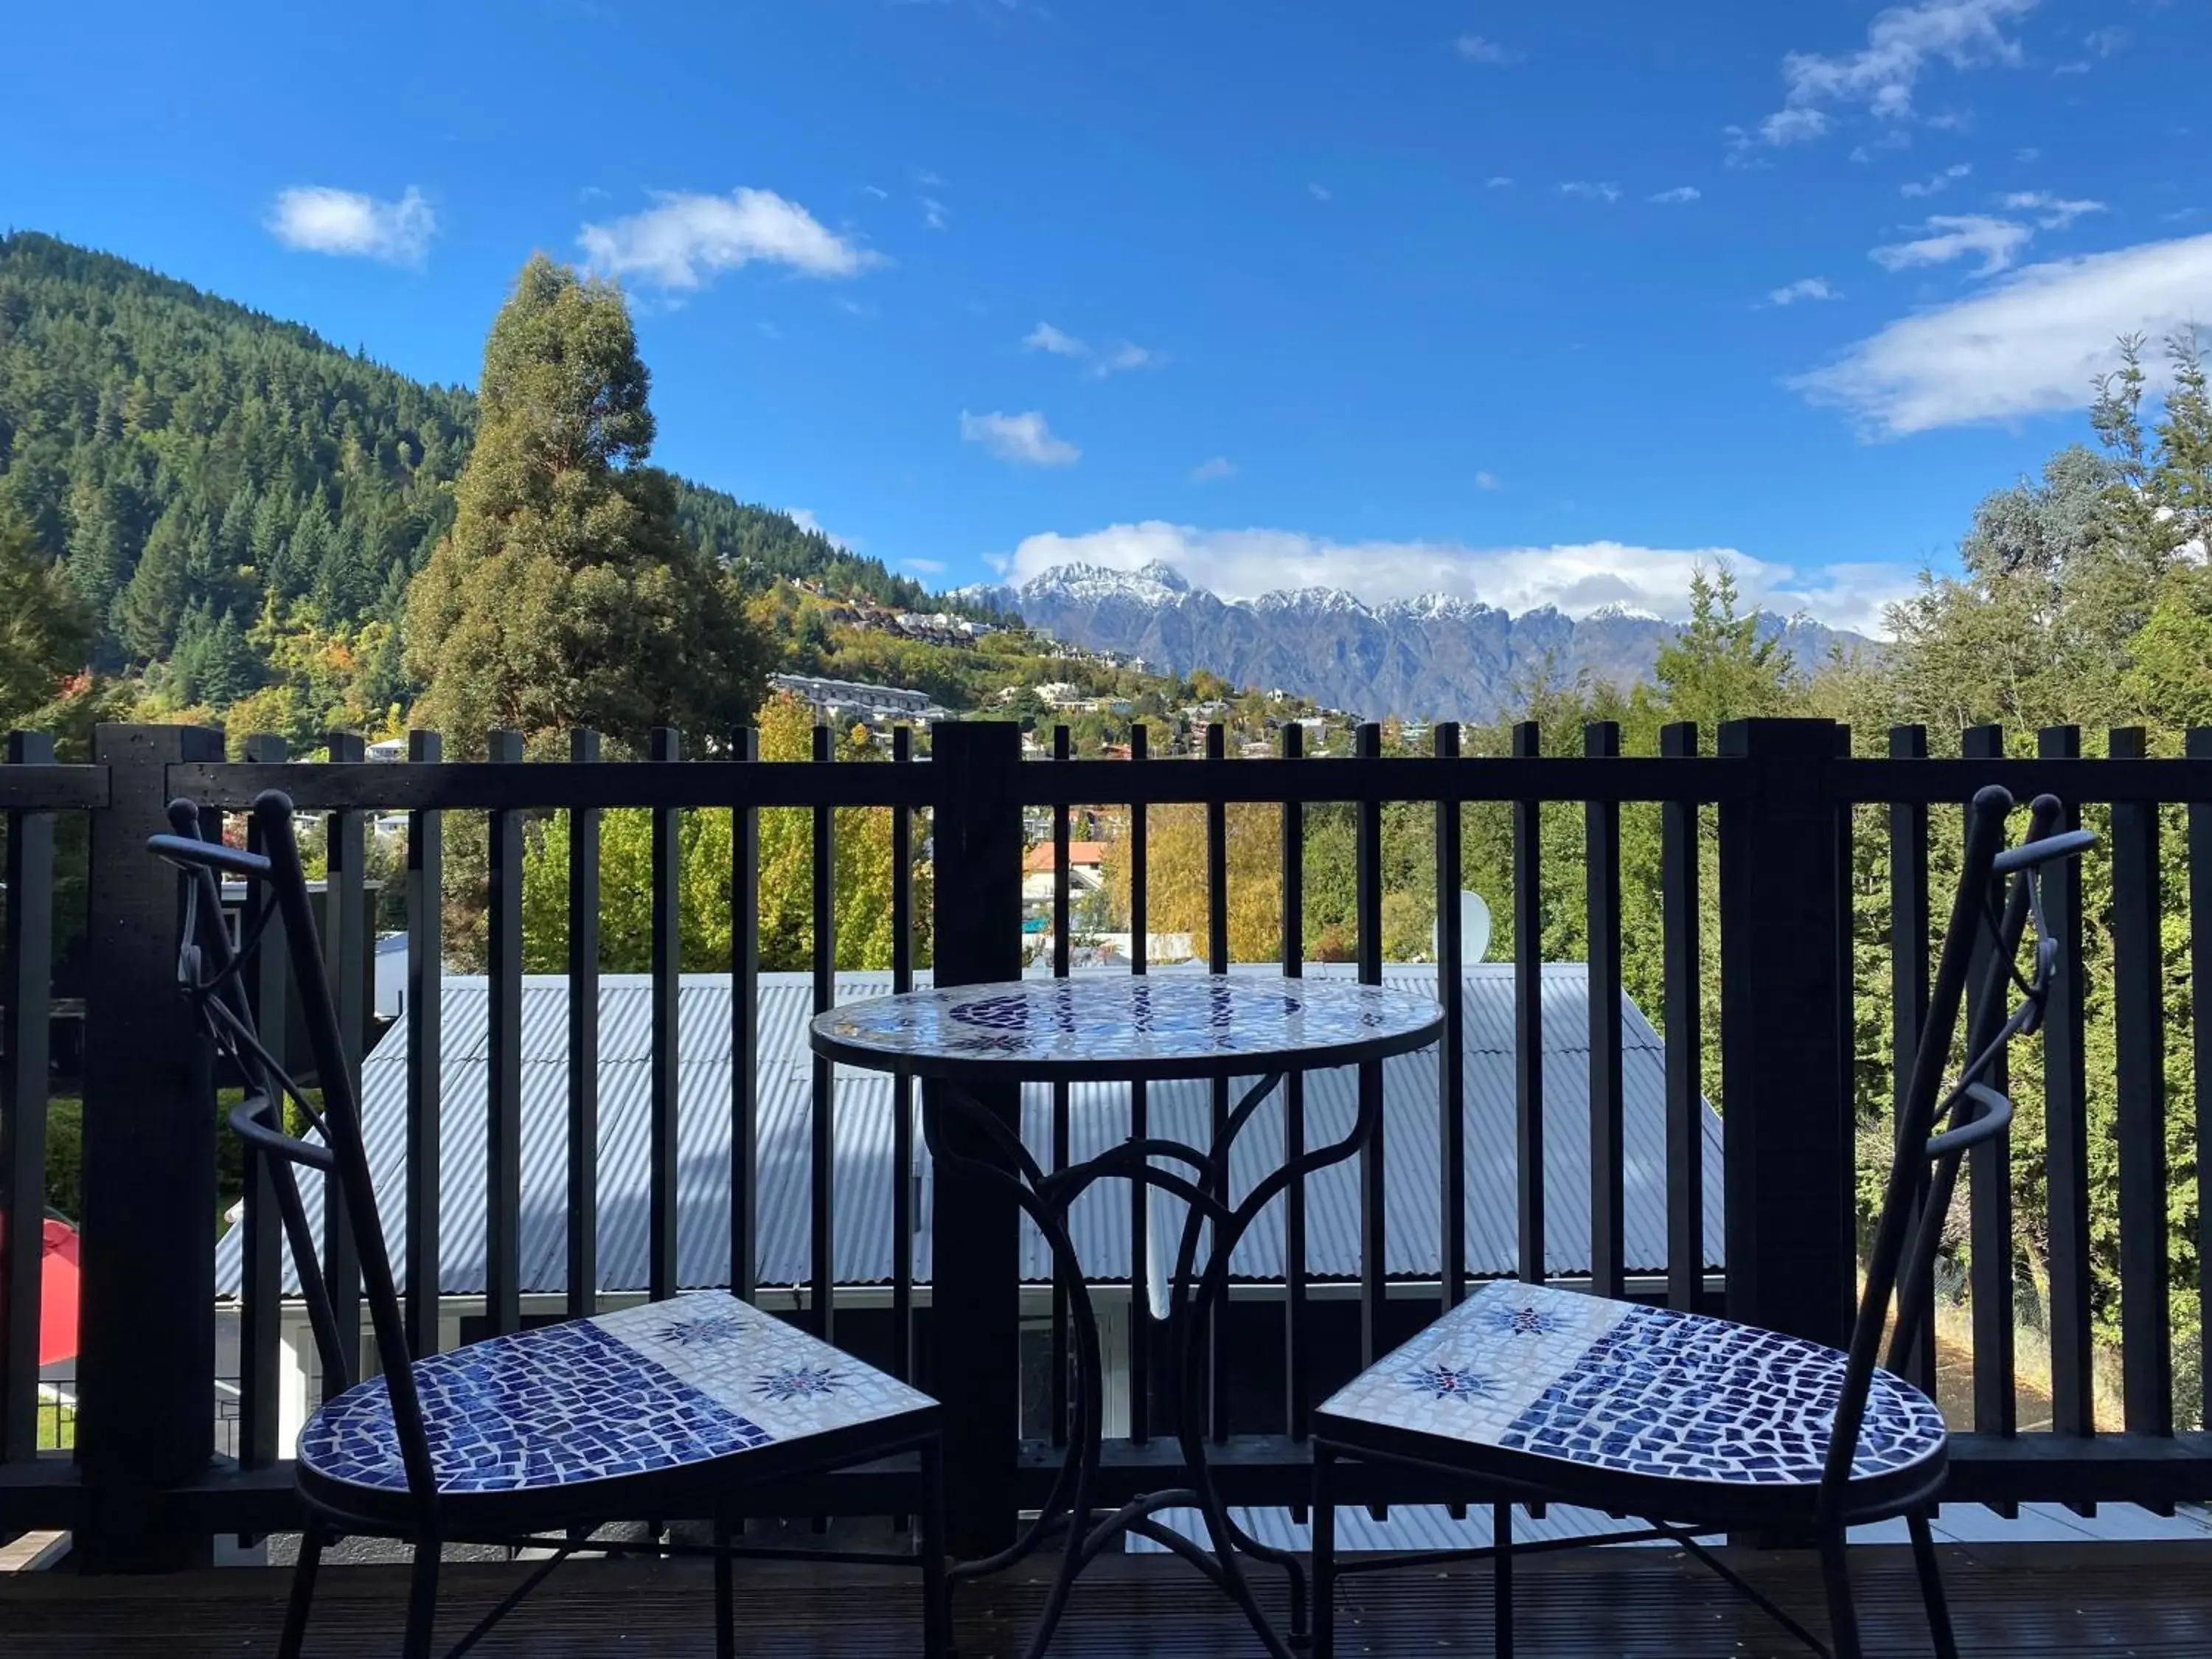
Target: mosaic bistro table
x=1133 y=1029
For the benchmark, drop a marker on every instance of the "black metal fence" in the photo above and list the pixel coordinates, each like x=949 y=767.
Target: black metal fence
x=145 y=1486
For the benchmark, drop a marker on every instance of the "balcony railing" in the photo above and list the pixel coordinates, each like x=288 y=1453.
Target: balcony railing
x=145 y=1486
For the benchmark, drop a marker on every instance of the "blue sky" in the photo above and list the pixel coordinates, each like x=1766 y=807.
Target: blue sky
x=1406 y=296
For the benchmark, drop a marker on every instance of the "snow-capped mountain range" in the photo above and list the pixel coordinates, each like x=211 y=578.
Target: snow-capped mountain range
x=1434 y=656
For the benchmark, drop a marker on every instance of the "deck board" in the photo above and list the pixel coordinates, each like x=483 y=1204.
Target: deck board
x=2152 y=1600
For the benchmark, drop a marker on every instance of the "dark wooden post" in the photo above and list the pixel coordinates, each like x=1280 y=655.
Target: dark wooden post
x=975 y=1293
x=1785 y=1115
x=146 y=1363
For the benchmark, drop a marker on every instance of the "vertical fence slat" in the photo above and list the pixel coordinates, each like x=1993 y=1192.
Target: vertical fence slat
x=1608 y=1144
x=2198 y=746
x=1683 y=968
x=343 y=947
x=503 y=1060
x=27 y=970
x=744 y=1031
x=1061 y=919
x=1909 y=972
x=1451 y=1043
x=1217 y=961
x=1990 y=1199
x=1528 y=1011
x=1296 y=1337
x=903 y=1181
x=1374 y=1159
x=1140 y=1314
x=667 y=959
x=426 y=903
x=822 y=1244
x=2066 y=1132
x=583 y=1042
x=261 y=1228
x=2139 y=1032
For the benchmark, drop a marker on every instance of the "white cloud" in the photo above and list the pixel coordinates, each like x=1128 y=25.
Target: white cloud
x=2030 y=344
x=2079 y=66
x=1486 y=479
x=2105 y=42
x=685 y=238
x=1497 y=181
x=2027 y=152
x=1894 y=138
x=1321 y=193
x=2052 y=212
x=1805 y=288
x=1680 y=193
x=929 y=180
x=1045 y=338
x=1578 y=578
x=1953 y=235
x=1024 y=439
x=925 y=567
x=1206 y=472
x=1936 y=183
x=769 y=331
x=1584 y=191
x=1127 y=355
x=806 y=521
x=1478 y=50
x=877 y=192
x=932 y=212
x=1880 y=77
x=316 y=219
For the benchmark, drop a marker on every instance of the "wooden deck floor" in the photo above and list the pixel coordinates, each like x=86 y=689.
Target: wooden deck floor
x=2103 y=1599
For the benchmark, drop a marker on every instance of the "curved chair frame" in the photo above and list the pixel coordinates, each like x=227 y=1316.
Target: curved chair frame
x=209 y=970
x=1937 y=1127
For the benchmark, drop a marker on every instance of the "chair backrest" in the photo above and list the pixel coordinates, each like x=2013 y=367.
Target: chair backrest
x=210 y=971
x=1942 y=1117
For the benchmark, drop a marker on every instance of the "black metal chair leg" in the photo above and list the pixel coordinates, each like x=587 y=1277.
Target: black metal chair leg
x=1501 y=1538
x=311 y=1541
x=1843 y=1614
x=936 y=1589
x=1931 y=1586
x=1324 y=1555
x=725 y=1617
x=421 y=1599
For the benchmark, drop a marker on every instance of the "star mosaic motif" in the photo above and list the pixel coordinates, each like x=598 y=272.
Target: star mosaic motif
x=1451 y=1382
x=800 y=1383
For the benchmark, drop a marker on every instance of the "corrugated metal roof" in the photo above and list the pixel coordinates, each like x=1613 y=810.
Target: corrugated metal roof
x=1098 y=1117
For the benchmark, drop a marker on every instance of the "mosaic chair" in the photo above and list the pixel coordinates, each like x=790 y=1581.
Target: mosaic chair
x=665 y=1409
x=1532 y=1394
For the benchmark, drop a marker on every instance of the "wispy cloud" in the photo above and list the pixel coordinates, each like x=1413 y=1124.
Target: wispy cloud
x=806 y=521
x=929 y=180
x=1893 y=138
x=1584 y=191
x=1880 y=77
x=1486 y=479
x=1024 y=439
x=1805 y=288
x=1578 y=578
x=1124 y=356
x=2052 y=212
x=1680 y=193
x=2105 y=42
x=1936 y=183
x=685 y=238
x=924 y=566
x=1207 y=471
x=932 y=212
x=1045 y=338
x=1497 y=181
x=1321 y=193
x=2031 y=343
x=1955 y=236
x=2027 y=152
x=1478 y=49
x=316 y=219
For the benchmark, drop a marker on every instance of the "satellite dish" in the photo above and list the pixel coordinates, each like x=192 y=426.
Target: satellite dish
x=1473 y=929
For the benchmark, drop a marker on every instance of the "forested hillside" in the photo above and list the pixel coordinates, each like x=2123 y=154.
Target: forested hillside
x=240 y=505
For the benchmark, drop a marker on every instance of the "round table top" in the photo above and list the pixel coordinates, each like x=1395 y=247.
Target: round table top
x=1128 y=1027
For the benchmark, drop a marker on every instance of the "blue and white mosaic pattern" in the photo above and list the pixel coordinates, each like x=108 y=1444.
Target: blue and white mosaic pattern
x=652 y=1386
x=1642 y=1390
x=1129 y=1019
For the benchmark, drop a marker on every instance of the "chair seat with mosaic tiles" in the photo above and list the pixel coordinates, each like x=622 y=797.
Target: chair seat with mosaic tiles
x=1618 y=1390
x=654 y=1388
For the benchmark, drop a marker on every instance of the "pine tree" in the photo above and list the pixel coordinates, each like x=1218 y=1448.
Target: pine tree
x=567 y=592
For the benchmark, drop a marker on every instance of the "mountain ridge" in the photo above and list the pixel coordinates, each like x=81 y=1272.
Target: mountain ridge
x=1431 y=655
